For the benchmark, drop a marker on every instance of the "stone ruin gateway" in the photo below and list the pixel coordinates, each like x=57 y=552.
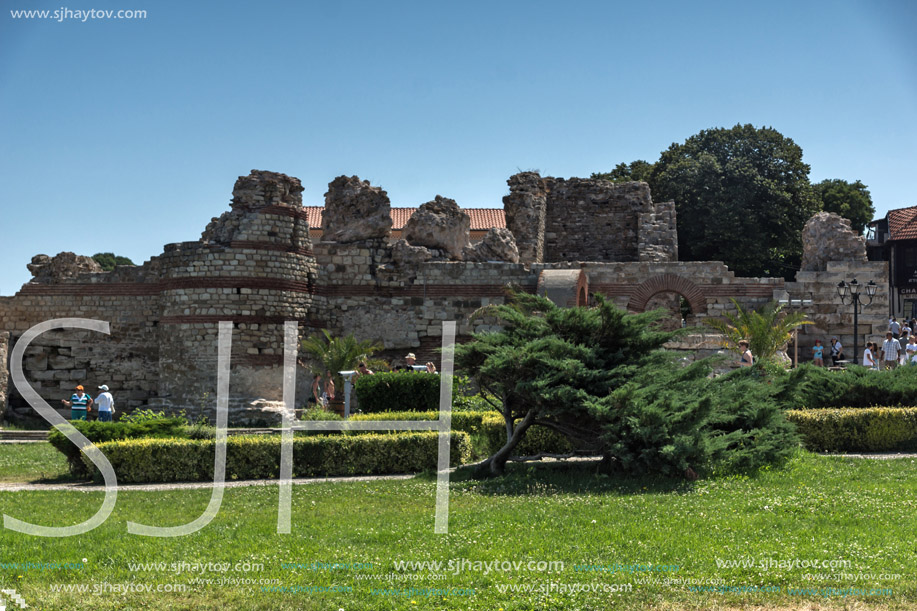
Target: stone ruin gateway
x=255 y=265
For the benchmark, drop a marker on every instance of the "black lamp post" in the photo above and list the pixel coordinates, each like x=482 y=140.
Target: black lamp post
x=850 y=291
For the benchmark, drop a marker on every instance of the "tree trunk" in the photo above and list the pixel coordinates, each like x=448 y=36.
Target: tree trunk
x=495 y=466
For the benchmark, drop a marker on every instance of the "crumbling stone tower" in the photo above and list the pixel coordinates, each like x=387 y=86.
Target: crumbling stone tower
x=253 y=266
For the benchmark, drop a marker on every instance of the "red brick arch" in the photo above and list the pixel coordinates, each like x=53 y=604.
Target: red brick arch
x=668 y=283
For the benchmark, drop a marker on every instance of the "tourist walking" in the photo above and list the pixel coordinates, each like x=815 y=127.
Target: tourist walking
x=895 y=328
x=328 y=395
x=317 y=390
x=911 y=351
x=890 y=350
x=869 y=360
x=837 y=351
x=80 y=404
x=818 y=354
x=106 y=404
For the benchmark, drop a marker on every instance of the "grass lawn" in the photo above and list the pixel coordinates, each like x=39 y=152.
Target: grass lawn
x=28 y=462
x=653 y=540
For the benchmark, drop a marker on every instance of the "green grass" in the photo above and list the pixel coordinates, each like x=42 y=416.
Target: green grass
x=861 y=511
x=29 y=462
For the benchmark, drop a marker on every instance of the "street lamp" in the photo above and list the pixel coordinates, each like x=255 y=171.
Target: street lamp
x=850 y=291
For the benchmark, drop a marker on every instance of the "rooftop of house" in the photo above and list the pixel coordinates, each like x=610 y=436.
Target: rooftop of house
x=902 y=224
x=482 y=219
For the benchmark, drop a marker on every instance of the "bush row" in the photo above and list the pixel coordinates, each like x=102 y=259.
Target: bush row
x=414 y=392
x=488 y=431
x=99 y=432
x=258 y=456
x=873 y=429
x=810 y=387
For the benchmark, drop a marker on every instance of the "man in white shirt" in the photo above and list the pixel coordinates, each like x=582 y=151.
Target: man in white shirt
x=105 y=403
x=890 y=350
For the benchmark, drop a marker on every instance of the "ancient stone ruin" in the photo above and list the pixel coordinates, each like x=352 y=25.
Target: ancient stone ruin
x=828 y=237
x=355 y=211
x=256 y=267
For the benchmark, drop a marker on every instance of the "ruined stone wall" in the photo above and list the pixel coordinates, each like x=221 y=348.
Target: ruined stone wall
x=4 y=372
x=597 y=220
x=55 y=362
x=657 y=238
x=255 y=266
x=525 y=208
x=359 y=290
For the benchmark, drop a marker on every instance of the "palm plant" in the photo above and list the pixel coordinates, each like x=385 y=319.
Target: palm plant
x=336 y=354
x=766 y=329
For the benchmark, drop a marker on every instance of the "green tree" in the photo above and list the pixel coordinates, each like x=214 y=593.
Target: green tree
x=600 y=377
x=548 y=363
x=849 y=200
x=109 y=260
x=626 y=172
x=742 y=196
x=766 y=329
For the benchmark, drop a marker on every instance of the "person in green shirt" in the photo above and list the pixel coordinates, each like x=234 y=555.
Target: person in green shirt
x=80 y=404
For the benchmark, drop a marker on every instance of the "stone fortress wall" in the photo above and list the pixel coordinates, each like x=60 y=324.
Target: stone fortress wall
x=256 y=266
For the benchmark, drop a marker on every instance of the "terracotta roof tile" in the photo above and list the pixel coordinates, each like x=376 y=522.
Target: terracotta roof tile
x=482 y=219
x=902 y=224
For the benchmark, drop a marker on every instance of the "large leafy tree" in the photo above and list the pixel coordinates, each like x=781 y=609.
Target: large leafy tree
x=850 y=200
x=742 y=196
x=625 y=172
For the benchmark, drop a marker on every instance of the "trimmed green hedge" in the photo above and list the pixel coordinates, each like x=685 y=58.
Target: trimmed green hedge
x=861 y=429
x=258 y=456
x=398 y=391
x=488 y=432
x=99 y=432
x=810 y=387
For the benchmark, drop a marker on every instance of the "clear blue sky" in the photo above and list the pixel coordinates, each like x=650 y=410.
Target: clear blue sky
x=124 y=135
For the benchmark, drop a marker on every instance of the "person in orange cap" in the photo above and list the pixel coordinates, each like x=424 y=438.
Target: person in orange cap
x=80 y=404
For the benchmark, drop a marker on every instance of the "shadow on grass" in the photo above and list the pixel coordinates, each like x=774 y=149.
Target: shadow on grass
x=564 y=477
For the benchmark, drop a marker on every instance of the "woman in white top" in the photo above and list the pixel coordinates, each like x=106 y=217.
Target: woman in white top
x=868 y=359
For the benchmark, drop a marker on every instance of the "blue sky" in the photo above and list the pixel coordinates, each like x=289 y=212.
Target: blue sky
x=124 y=135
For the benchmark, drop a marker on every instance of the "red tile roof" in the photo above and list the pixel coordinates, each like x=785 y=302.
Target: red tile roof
x=482 y=219
x=902 y=224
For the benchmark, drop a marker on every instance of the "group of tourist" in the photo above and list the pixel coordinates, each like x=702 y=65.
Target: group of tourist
x=81 y=403
x=899 y=348
x=836 y=353
x=323 y=386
